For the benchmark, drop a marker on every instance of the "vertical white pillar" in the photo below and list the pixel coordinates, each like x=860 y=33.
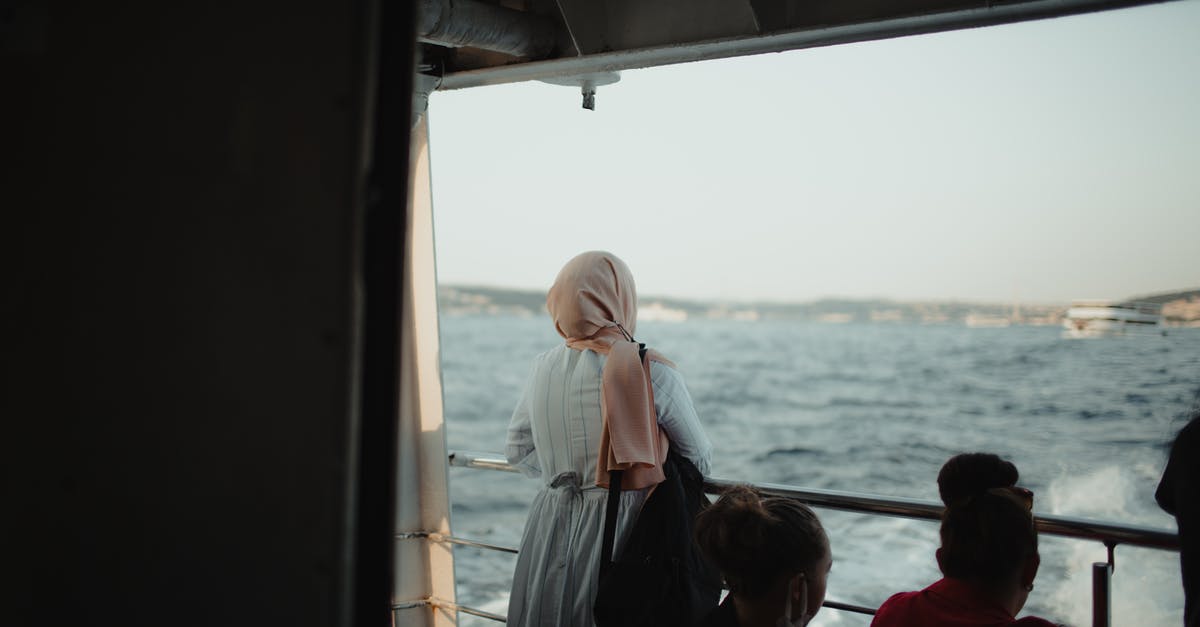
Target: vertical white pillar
x=424 y=569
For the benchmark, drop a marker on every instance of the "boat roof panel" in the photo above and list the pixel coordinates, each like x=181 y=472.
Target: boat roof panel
x=575 y=37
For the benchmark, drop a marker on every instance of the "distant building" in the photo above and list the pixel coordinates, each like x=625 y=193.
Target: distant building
x=1183 y=311
x=887 y=315
x=836 y=318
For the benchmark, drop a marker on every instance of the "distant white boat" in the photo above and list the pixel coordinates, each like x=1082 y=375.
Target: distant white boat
x=723 y=312
x=981 y=321
x=1095 y=318
x=661 y=313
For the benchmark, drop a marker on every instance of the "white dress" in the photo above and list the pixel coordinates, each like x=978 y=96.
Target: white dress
x=555 y=435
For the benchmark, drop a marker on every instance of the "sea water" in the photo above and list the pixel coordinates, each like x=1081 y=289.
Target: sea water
x=874 y=408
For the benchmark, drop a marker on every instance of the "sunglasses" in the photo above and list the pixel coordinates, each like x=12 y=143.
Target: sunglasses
x=1025 y=495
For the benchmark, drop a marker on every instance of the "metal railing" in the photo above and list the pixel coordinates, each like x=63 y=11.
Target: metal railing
x=1109 y=534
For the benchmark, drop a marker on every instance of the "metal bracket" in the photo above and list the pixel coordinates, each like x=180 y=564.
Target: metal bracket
x=587 y=84
x=434 y=536
x=441 y=604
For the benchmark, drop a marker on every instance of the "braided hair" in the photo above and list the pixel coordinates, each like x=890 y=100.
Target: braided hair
x=755 y=540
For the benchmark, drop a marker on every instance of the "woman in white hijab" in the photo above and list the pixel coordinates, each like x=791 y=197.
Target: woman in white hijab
x=560 y=430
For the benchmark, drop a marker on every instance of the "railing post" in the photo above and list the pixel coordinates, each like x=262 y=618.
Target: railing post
x=1101 y=594
x=424 y=569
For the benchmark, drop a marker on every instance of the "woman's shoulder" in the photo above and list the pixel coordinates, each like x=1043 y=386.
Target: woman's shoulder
x=666 y=379
x=660 y=370
x=894 y=611
x=551 y=356
x=562 y=358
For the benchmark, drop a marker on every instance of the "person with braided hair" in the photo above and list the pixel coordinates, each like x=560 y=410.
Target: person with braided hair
x=773 y=554
x=989 y=555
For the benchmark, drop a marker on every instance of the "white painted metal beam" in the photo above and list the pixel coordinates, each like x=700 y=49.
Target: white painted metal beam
x=751 y=44
x=424 y=569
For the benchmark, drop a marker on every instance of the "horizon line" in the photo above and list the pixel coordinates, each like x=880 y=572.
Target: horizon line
x=825 y=298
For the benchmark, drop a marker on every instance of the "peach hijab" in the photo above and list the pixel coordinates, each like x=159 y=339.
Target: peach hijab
x=594 y=306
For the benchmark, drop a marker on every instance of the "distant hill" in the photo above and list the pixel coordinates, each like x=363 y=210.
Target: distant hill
x=1162 y=299
x=497 y=295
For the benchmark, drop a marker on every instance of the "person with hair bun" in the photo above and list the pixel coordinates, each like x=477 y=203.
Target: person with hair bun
x=773 y=554
x=988 y=557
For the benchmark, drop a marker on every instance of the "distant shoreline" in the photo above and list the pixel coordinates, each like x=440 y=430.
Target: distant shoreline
x=1181 y=308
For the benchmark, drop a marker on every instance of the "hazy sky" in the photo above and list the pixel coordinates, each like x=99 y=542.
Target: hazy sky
x=1043 y=162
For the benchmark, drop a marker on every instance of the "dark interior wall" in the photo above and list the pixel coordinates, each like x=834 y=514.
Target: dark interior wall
x=182 y=194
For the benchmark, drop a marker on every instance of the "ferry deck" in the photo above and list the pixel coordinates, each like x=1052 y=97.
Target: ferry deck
x=224 y=401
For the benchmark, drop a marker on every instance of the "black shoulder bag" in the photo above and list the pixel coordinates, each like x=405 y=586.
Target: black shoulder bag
x=661 y=578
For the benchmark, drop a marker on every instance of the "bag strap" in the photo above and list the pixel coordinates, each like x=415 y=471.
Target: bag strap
x=614 y=503
x=610 y=520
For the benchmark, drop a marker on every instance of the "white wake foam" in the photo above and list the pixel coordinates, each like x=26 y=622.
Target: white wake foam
x=1146 y=587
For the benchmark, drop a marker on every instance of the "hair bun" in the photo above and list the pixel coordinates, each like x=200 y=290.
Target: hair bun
x=973 y=474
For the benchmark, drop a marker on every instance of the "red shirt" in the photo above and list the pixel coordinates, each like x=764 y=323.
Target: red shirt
x=948 y=603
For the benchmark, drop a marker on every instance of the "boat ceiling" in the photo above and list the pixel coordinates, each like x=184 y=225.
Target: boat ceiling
x=470 y=43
